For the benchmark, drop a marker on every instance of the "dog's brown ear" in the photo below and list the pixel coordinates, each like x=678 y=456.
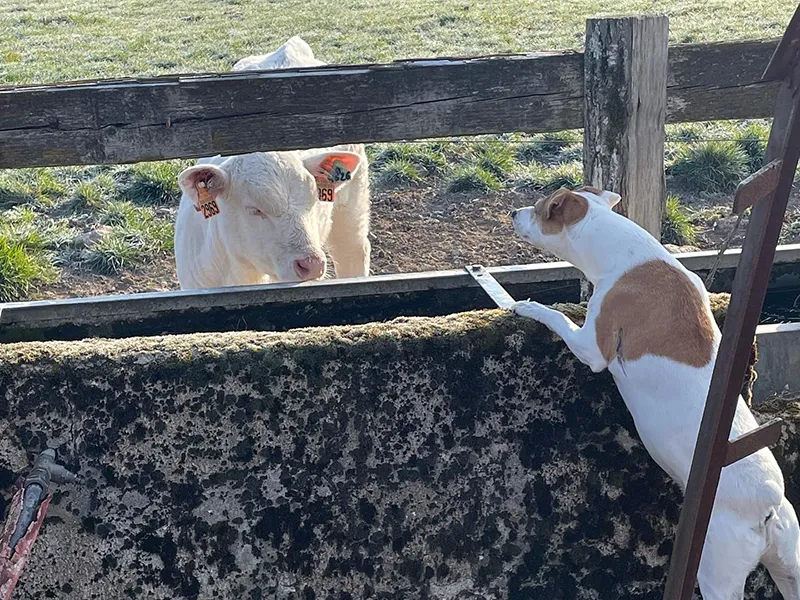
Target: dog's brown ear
x=611 y=198
x=563 y=208
x=552 y=203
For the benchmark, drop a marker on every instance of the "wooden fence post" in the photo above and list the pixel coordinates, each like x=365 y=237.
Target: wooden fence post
x=625 y=99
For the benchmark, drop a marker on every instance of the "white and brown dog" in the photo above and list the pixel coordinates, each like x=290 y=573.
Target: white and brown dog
x=650 y=324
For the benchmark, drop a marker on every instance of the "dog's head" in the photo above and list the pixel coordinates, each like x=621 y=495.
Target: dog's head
x=549 y=222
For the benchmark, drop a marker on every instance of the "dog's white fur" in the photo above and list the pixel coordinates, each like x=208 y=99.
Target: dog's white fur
x=270 y=219
x=752 y=520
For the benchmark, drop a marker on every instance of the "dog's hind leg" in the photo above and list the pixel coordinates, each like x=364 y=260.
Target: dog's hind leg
x=581 y=341
x=782 y=557
x=731 y=551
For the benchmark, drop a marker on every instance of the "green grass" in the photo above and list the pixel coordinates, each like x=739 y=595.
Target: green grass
x=136 y=236
x=114 y=254
x=685 y=132
x=35 y=232
x=447 y=149
x=151 y=184
x=676 y=224
x=33 y=229
x=21 y=270
x=399 y=172
x=26 y=186
x=71 y=39
x=791 y=228
x=548 y=179
x=157 y=232
x=572 y=153
x=548 y=147
x=89 y=195
x=472 y=178
x=118 y=213
x=47 y=222
x=715 y=167
x=495 y=158
x=14 y=192
x=29 y=247
x=408 y=164
x=752 y=139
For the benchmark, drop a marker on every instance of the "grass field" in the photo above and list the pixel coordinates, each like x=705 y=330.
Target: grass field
x=49 y=40
x=82 y=231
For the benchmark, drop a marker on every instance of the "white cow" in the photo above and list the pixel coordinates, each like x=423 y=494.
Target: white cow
x=270 y=216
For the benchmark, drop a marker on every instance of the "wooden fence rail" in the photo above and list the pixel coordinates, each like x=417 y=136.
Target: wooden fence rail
x=123 y=121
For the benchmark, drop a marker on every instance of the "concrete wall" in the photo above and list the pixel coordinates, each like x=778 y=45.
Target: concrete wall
x=778 y=365
x=462 y=457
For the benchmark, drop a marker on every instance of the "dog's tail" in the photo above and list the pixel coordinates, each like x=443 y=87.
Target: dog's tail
x=782 y=557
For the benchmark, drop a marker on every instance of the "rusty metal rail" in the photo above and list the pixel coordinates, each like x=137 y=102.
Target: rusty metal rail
x=490 y=285
x=714 y=451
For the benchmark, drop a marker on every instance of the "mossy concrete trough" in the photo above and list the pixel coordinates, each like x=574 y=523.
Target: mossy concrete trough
x=468 y=456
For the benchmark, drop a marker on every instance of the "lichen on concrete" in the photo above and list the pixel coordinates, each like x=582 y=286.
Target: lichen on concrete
x=468 y=456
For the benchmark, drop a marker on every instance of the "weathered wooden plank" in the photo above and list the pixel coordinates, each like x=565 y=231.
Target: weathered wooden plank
x=723 y=64
x=752 y=101
x=121 y=121
x=251 y=133
x=199 y=116
x=720 y=80
x=311 y=91
x=625 y=87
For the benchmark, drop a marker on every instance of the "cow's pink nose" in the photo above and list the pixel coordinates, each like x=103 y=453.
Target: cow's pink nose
x=311 y=267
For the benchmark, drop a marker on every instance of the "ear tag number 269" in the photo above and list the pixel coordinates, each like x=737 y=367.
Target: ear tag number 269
x=337 y=173
x=208 y=204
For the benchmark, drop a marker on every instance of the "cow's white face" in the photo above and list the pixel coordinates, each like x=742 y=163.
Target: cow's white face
x=273 y=209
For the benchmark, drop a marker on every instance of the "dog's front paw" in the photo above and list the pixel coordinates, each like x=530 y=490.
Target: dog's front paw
x=526 y=308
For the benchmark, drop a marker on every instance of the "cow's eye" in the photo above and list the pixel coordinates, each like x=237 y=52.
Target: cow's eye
x=252 y=210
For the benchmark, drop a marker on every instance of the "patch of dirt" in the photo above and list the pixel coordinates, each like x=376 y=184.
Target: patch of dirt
x=157 y=276
x=420 y=230
x=423 y=229
x=712 y=216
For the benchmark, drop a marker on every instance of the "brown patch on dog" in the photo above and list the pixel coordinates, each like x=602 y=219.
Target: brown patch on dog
x=655 y=309
x=561 y=209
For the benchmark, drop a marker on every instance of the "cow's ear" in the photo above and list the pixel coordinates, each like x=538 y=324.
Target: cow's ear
x=203 y=183
x=333 y=170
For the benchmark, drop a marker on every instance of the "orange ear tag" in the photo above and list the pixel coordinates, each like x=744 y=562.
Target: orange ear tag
x=325 y=193
x=331 y=172
x=208 y=204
